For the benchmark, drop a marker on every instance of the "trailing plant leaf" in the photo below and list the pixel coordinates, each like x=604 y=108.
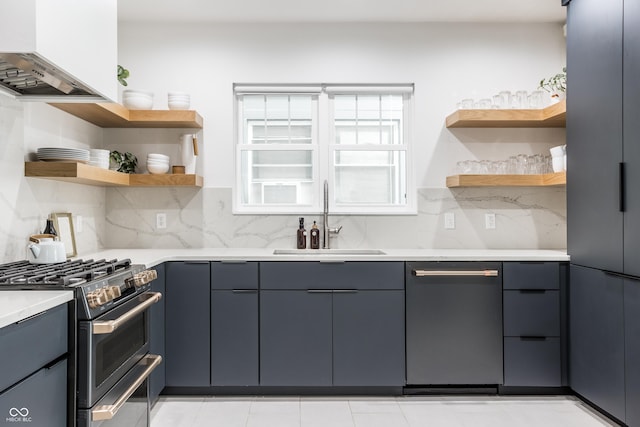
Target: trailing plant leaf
x=123 y=74
x=557 y=83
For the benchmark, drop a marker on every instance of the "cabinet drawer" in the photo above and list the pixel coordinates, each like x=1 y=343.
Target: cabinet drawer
x=234 y=275
x=29 y=345
x=532 y=362
x=531 y=313
x=329 y=275
x=39 y=400
x=531 y=275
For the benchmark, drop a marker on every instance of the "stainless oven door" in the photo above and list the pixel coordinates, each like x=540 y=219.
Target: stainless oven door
x=110 y=345
x=127 y=403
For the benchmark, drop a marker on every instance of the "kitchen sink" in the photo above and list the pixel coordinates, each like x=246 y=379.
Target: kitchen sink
x=328 y=252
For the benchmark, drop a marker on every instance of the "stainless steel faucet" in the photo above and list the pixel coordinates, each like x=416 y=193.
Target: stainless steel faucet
x=326 y=230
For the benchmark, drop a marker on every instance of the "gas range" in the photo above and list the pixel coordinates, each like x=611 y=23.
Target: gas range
x=99 y=285
x=109 y=352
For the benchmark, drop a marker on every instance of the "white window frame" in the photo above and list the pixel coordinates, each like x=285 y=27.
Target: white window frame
x=324 y=148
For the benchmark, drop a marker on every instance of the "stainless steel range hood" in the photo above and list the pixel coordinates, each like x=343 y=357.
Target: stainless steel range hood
x=29 y=75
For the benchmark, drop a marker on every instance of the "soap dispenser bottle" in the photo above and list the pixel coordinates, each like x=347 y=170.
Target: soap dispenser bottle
x=315 y=236
x=302 y=235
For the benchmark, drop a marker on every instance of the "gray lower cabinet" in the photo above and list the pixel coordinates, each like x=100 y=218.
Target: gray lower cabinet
x=597 y=341
x=533 y=355
x=157 y=379
x=295 y=338
x=33 y=370
x=324 y=324
x=632 y=350
x=234 y=324
x=368 y=338
x=188 y=334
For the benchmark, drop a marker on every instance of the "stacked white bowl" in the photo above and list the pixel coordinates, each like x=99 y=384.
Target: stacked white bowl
x=137 y=100
x=99 y=158
x=179 y=100
x=157 y=163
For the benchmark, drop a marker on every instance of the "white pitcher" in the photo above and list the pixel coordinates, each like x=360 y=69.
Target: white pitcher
x=188 y=152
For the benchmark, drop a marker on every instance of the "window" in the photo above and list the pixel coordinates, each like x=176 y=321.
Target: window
x=291 y=139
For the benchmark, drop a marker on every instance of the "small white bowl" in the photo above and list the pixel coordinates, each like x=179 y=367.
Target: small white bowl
x=176 y=105
x=158 y=156
x=137 y=103
x=127 y=93
x=153 y=169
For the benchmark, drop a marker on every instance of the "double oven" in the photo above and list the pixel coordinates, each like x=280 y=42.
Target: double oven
x=112 y=360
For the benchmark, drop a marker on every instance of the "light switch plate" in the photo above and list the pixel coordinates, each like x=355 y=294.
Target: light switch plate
x=449 y=221
x=161 y=221
x=490 y=221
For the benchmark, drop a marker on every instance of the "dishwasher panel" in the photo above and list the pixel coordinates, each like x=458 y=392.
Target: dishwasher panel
x=454 y=323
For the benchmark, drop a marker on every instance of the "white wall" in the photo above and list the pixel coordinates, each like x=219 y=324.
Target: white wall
x=447 y=62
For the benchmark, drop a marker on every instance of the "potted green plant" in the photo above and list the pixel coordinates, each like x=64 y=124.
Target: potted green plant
x=123 y=74
x=556 y=85
x=123 y=162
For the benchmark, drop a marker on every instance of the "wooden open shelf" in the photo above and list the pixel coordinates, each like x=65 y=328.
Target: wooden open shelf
x=165 y=180
x=110 y=115
x=84 y=174
x=544 y=180
x=552 y=116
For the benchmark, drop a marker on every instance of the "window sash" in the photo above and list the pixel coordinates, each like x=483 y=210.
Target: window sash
x=393 y=138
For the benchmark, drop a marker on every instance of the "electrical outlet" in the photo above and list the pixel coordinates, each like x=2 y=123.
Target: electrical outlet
x=78 y=223
x=161 y=221
x=490 y=221
x=449 y=220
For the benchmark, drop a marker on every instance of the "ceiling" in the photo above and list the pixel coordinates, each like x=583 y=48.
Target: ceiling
x=185 y=11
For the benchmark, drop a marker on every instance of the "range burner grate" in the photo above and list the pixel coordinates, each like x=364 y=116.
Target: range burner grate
x=69 y=273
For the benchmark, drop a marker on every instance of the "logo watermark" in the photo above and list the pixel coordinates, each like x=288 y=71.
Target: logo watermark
x=18 y=415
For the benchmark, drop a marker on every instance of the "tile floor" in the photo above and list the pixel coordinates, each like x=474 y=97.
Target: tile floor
x=414 y=411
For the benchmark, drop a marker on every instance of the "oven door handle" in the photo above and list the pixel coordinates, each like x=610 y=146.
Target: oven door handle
x=107 y=412
x=108 y=326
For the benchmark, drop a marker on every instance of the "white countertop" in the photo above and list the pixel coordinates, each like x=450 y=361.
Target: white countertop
x=151 y=257
x=18 y=305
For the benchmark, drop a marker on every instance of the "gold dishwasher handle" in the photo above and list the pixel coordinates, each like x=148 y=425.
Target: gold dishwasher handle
x=108 y=326
x=449 y=273
x=107 y=412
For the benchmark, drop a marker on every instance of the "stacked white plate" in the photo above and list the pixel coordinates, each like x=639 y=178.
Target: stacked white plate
x=179 y=100
x=157 y=163
x=99 y=158
x=57 y=154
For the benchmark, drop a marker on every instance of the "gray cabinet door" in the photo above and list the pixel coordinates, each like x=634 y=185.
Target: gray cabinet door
x=234 y=337
x=157 y=344
x=594 y=133
x=368 y=338
x=632 y=350
x=188 y=334
x=596 y=360
x=295 y=338
x=631 y=132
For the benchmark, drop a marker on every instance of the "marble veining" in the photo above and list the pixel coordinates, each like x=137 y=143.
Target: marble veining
x=526 y=218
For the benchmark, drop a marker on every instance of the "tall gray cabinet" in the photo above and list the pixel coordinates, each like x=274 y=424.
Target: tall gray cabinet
x=603 y=206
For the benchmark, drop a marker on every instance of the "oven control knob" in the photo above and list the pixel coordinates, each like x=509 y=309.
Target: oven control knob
x=113 y=292
x=142 y=278
x=97 y=298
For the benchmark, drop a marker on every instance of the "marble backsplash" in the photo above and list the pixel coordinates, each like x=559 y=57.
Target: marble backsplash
x=25 y=203
x=526 y=218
